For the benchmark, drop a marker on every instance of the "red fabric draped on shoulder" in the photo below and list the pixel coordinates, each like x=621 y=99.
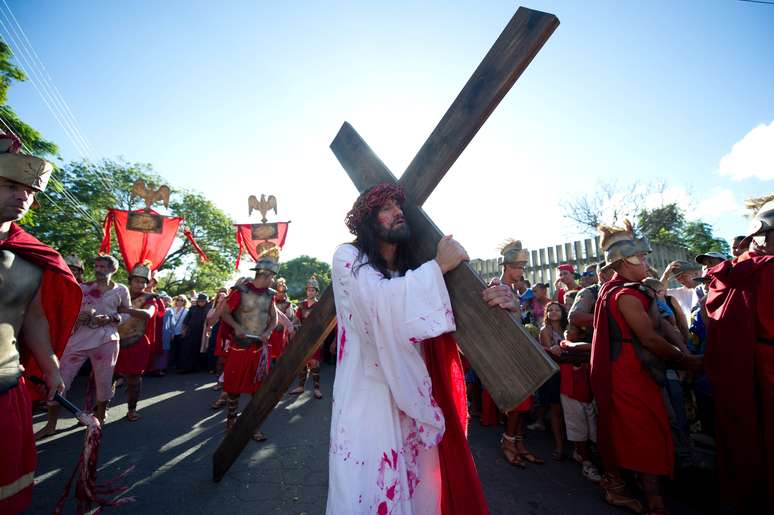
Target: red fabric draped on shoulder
x=461 y=491
x=60 y=292
x=737 y=289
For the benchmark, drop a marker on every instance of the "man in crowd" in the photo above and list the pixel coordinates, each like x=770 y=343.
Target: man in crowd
x=75 y=265
x=39 y=302
x=581 y=314
x=515 y=259
x=740 y=364
x=313 y=364
x=95 y=338
x=137 y=336
x=737 y=248
x=566 y=281
x=633 y=426
x=190 y=349
x=251 y=313
x=710 y=259
x=686 y=295
x=589 y=276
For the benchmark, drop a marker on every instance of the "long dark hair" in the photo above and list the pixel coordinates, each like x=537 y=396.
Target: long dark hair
x=367 y=243
x=564 y=322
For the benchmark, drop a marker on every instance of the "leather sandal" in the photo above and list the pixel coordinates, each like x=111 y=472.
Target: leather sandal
x=616 y=494
x=508 y=445
x=526 y=455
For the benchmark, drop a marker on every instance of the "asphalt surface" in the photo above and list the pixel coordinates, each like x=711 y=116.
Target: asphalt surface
x=171 y=450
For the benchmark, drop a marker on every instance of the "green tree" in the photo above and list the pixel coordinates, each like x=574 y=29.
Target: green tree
x=663 y=225
x=667 y=225
x=298 y=270
x=213 y=230
x=106 y=185
x=698 y=237
x=31 y=138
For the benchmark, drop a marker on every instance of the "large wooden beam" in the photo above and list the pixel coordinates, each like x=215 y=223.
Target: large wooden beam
x=510 y=55
x=509 y=361
x=312 y=334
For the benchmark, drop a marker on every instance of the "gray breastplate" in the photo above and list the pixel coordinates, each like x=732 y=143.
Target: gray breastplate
x=253 y=313
x=19 y=280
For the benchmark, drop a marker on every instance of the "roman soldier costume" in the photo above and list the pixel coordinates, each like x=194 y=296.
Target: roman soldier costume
x=633 y=425
x=313 y=364
x=739 y=360
x=27 y=268
x=137 y=335
x=247 y=361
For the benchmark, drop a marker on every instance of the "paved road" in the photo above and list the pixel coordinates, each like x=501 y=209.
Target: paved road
x=171 y=448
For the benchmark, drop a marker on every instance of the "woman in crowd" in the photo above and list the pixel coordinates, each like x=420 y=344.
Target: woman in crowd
x=551 y=335
x=173 y=327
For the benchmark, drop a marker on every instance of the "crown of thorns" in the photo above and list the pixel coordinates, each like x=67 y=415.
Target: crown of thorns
x=372 y=198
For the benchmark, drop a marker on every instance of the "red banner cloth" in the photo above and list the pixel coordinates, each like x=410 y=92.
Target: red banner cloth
x=137 y=246
x=244 y=237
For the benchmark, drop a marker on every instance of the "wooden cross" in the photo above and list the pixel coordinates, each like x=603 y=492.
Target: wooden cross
x=510 y=363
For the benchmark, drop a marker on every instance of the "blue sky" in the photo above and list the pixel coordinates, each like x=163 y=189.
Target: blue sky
x=244 y=98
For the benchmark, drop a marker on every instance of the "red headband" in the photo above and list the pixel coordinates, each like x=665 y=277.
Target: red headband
x=372 y=198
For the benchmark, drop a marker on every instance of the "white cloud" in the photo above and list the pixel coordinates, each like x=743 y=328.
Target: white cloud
x=752 y=156
x=714 y=206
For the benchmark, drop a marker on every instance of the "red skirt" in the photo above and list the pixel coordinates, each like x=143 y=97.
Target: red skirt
x=17 y=448
x=221 y=339
x=490 y=413
x=239 y=370
x=133 y=360
x=277 y=343
x=640 y=426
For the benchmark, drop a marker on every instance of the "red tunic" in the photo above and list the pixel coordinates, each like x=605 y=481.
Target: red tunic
x=279 y=337
x=133 y=360
x=302 y=313
x=223 y=339
x=634 y=432
x=740 y=364
x=61 y=299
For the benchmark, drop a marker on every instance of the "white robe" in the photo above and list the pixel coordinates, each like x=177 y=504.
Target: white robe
x=385 y=426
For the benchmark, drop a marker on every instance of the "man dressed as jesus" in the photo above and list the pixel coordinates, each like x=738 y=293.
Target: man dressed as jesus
x=399 y=423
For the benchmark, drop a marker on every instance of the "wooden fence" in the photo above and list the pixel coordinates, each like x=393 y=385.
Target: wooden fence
x=543 y=262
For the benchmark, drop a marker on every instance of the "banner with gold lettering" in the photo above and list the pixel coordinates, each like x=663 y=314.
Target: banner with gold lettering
x=249 y=236
x=142 y=235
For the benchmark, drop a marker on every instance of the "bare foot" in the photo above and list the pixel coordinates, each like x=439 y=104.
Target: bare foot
x=132 y=416
x=297 y=390
x=45 y=433
x=259 y=436
x=317 y=393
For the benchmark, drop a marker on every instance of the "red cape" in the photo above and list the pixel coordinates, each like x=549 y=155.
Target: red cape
x=732 y=301
x=601 y=375
x=60 y=292
x=462 y=493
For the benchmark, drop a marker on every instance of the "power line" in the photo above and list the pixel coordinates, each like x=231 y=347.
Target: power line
x=66 y=195
x=50 y=95
x=49 y=81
